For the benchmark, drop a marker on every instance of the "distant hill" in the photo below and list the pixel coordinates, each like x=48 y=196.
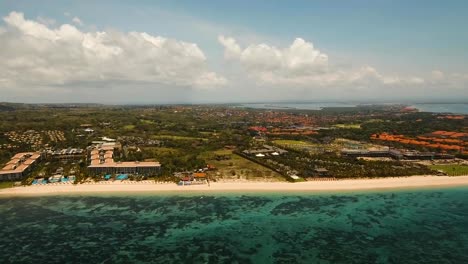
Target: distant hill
x=6 y=106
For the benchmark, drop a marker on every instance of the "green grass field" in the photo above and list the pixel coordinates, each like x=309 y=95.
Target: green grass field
x=301 y=145
x=6 y=185
x=348 y=126
x=146 y=121
x=374 y=121
x=129 y=127
x=162 y=150
x=238 y=167
x=286 y=142
x=177 y=137
x=452 y=170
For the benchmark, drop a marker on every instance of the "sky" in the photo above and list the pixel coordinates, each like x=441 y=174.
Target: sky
x=233 y=51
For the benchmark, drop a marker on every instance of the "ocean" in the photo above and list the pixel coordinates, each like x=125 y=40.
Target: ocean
x=400 y=226
x=304 y=106
x=461 y=108
x=443 y=108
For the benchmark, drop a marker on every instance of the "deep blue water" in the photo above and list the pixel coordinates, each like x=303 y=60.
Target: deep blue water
x=424 y=226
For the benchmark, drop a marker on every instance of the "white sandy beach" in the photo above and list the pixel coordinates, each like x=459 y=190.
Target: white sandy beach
x=345 y=185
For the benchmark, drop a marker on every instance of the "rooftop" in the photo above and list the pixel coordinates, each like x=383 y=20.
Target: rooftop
x=20 y=162
x=127 y=164
x=102 y=157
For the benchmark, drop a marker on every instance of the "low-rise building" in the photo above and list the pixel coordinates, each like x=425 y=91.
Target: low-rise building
x=128 y=167
x=102 y=162
x=68 y=153
x=365 y=153
x=395 y=154
x=19 y=166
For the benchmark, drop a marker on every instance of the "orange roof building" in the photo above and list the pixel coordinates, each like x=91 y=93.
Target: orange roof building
x=438 y=141
x=102 y=162
x=199 y=175
x=19 y=165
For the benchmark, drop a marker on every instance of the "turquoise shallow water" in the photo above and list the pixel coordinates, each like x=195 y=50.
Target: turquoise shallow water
x=425 y=226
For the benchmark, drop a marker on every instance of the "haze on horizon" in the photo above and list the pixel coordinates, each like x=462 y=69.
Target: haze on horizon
x=233 y=51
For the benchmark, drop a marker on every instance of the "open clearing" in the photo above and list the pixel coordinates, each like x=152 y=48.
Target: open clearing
x=348 y=126
x=6 y=185
x=302 y=145
x=162 y=150
x=177 y=137
x=231 y=166
x=291 y=142
x=146 y=121
x=452 y=170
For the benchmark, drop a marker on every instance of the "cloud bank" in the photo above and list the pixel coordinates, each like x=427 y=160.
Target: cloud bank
x=33 y=54
x=74 y=62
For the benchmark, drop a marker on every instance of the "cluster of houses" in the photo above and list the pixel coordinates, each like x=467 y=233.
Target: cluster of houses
x=31 y=137
x=55 y=135
x=447 y=141
x=192 y=178
x=277 y=131
x=280 y=117
x=35 y=138
x=8 y=146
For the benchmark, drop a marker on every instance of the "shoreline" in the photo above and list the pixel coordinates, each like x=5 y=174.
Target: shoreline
x=411 y=182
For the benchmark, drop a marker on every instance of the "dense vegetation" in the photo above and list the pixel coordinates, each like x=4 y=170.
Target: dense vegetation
x=182 y=136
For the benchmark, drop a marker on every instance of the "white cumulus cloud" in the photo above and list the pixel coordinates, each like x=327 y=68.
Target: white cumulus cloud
x=271 y=64
x=302 y=64
x=35 y=54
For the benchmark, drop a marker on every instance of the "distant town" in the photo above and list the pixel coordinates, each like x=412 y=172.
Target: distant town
x=199 y=144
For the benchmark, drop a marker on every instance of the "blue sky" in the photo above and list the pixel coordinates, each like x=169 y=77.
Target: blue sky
x=404 y=40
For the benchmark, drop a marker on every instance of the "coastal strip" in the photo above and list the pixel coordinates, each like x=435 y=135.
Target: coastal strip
x=242 y=186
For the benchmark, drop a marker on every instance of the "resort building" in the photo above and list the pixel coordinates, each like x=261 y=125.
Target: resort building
x=267 y=149
x=369 y=153
x=19 y=166
x=102 y=162
x=395 y=154
x=67 y=154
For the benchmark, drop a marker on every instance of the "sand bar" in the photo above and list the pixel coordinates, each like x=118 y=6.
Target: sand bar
x=242 y=186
